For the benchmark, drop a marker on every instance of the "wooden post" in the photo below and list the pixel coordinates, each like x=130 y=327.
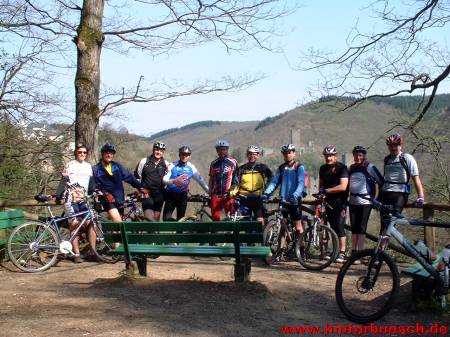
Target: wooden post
x=429 y=233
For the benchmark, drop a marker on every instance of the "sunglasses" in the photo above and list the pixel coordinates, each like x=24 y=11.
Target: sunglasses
x=82 y=152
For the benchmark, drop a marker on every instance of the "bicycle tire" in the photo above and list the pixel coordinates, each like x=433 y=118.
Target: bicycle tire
x=312 y=257
x=102 y=249
x=364 y=286
x=25 y=236
x=270 y=236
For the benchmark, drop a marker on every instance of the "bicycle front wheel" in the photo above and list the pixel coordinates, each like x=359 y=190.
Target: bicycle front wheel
x=317 y=247
x=33 y=247
x=271 y=233
x=103 y=249
x=365 y=293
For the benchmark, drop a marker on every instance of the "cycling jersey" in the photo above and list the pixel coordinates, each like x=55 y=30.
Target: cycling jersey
x=113 y=183
x=252 y=178
x=330 y=176
x=223 y=172
x=178 y=177
x=395 y=175
x=292 y=180
x=362 y=180
x=150 y=171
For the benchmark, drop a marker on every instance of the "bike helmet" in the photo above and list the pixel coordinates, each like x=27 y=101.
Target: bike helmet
x=395 y=139
x=159 y=145
x=108 y=148
x=329 y=149
x=287 y=147
x=360 y=149
x=184 y=150
x=222 y=143
x=254 y=149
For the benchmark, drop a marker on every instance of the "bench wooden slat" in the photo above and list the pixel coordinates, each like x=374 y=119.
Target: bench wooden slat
x=186 y=238
x=218 y=226
x=171 y=250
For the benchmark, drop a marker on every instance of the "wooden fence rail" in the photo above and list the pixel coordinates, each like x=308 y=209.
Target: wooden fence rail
x=428 y=213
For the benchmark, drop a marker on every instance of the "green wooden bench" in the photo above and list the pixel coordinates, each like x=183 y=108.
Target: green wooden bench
x=422 y=283
x=142 y=239
x=8 y=221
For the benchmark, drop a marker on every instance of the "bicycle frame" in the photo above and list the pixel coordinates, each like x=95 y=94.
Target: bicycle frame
x=54 y=223
x=391 y=230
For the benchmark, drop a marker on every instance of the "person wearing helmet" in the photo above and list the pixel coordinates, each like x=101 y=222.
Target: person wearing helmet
x=177 y=179
x=333 y=182
x=150 y=171
x=290 y=176
x=399 y=167
x=109 y=177
x=252 y=180
x=364 y=183
x=222 y=177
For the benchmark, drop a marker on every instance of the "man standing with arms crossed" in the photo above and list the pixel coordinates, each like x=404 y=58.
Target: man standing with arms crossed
x=222 y=176
x=333 y=182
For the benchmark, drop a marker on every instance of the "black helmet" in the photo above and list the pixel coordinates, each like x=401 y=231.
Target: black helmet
x=360 y=149
x=159 y=145
x=287 y=148
x=184 y=150
x=108 y=148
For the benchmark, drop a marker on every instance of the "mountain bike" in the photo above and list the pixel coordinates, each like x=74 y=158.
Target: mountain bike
x=201 y=214
x=317 y=247
x=35 y=245
x=279 y=226
x=366 y=292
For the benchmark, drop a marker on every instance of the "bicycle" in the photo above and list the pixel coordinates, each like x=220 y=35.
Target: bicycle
x=35 y=245
x=366 y=292
x=277 y=228
x=312 y=247
x=131 y=211
x=201 y=214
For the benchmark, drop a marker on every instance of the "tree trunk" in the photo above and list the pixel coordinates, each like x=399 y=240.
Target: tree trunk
x=87 y=79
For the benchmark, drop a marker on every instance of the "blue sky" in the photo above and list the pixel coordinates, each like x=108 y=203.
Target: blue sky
x=322 y=24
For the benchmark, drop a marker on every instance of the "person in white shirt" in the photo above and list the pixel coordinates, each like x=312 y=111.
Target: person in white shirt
x=77 y=172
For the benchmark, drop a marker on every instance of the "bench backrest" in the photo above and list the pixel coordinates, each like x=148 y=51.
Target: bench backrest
x=9 y=220
x=184 y=232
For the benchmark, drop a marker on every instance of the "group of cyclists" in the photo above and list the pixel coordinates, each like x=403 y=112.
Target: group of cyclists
x=163 y=184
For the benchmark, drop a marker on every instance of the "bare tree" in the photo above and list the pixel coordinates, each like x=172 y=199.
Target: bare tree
x=122 y=26
x=400 y=58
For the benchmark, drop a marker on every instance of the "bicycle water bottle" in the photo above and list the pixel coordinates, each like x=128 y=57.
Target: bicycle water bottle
x=445 y=259
x=425 y=251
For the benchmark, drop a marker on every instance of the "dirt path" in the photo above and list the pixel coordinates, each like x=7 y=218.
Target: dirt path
x=182 y=297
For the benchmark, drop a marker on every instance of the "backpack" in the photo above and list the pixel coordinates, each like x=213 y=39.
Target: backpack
x=364 y=168
x=282 y=167
x=405 y=167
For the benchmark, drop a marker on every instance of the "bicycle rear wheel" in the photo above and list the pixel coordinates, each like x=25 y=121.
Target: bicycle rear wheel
x=366 y=293
x=313 y=246
x=103 y=249
x=33 y=247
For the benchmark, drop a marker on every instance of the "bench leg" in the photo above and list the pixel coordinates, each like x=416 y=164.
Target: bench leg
x=142 y=265
x=242 y=270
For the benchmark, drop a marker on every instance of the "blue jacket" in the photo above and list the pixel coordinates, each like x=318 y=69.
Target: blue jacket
x=291 y=178
x=113 y=184
x=184 y=172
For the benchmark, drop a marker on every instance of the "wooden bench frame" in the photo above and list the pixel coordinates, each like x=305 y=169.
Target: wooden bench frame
x=141 y=239
x=8 y=221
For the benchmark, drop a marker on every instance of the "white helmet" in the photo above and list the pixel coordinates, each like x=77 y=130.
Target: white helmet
x=254 y=149
x=222 y=143
x=329 y=149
